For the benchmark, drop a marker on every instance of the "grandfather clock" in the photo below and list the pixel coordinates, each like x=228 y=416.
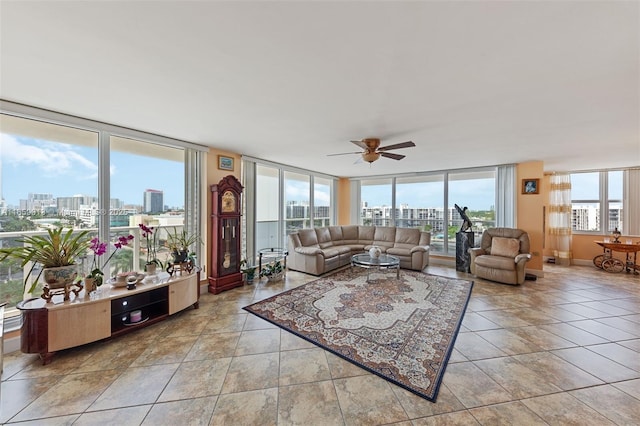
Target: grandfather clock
x=225 y=235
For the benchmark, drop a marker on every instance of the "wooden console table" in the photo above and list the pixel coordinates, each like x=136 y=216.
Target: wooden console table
x=609 y=263
x=50 y=327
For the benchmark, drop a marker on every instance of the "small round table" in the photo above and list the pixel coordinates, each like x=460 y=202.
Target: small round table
x=385 y=261
x=609 y=263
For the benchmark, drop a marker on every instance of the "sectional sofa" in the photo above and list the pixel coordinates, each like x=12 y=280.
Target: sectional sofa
x=319 y=250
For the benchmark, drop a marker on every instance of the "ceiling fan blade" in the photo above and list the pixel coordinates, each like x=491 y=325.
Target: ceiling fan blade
x=360 y=144
x=344 y=153
x=392 y=156
x=359 y=160
x=407 y=144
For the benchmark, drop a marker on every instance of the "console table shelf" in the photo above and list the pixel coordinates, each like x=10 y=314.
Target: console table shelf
x=50 y=327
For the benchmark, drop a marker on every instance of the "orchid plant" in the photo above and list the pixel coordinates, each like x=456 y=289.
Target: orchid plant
x=99 y=248
x=152 y=244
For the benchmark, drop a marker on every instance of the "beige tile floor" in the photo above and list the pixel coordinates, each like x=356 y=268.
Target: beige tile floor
x=563 y=350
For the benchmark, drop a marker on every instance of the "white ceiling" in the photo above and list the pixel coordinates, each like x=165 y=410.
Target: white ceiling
x=472 y=83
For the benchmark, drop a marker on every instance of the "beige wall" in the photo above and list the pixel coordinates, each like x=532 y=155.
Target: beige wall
x=530 y=210
x=344 y=201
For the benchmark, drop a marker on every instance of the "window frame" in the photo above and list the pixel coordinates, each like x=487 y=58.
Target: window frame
x=105 y=131
x=602 y=202
x=450 y=216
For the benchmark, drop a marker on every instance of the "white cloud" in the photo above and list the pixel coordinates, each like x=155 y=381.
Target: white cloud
x=49 y=159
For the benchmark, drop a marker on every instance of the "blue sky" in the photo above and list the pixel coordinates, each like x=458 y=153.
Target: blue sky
x=32 y=165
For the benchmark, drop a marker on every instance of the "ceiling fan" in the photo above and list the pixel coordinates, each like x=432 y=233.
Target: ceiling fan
x=373 y=150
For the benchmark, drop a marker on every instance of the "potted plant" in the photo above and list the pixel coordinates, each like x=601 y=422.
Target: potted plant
x=273 y=271
x=95 y=277
x=55 y=253
x=179 y=243
x=249 y=271
x=152 y=249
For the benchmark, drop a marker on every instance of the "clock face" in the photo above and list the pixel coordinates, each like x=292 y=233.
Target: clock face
x=228 y=202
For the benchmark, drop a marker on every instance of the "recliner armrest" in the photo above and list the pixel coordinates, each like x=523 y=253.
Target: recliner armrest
x=523 y=256
x=475 y=251
x=420 y=248
x=308 y=250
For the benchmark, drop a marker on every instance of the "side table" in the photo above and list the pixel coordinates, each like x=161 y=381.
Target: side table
x=271 y=256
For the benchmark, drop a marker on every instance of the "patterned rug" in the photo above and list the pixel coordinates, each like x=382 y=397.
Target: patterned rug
x=402 y=330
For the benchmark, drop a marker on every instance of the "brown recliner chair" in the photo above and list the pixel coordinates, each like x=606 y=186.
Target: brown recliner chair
x=502 y=255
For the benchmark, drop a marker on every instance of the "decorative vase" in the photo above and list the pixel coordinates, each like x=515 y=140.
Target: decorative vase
x=375 y=252
x=150 y=268
x=60 y=276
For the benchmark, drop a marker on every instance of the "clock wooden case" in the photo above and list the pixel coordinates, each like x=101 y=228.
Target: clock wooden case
x=225 y=235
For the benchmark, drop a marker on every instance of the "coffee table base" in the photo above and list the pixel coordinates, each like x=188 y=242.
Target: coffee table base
x=384 y=263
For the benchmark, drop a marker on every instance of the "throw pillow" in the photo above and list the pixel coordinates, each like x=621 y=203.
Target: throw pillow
x=507 y=247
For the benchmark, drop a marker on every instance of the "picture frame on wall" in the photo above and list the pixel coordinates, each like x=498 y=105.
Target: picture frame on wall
x=225 y=163
x=530 y=186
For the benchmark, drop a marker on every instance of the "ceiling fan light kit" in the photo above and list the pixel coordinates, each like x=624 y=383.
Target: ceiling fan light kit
x=372 y=150
x=370 y=157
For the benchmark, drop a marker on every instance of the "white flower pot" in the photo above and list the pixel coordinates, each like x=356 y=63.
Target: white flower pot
x=60 y=276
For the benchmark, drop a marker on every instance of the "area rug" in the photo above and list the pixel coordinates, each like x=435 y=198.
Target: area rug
x=402 y=329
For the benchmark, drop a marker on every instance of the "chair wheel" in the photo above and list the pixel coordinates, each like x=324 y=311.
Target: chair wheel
x=612 y=265
x=598 y=260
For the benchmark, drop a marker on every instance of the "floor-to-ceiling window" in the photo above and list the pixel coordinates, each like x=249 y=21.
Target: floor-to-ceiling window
x=376 y=202
x=267 y=201
x=48 y=176
x=419 y=201
x=322 y=201
x=297 y=207
x=147 y=185
x=283 y=200
x=427 y=201
x=59 y=170
x=475 y=190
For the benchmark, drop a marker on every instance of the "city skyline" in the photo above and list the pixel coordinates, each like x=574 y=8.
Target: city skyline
x=29 y=165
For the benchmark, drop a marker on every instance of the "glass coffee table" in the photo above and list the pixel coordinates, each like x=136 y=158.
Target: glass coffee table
x=385 y=261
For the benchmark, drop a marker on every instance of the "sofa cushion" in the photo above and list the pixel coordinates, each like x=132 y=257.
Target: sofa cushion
x=384 y=236
x=350 y=234
x=308 y=237
x=365 y=234
x=324 y=237
x=507 y=247
x=496 y=262
x=406 y=238
x=336 y=234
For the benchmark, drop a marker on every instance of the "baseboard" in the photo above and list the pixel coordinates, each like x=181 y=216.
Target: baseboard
x=442 y=261
x=582 y=262
x=576 y=262
x=11 y=344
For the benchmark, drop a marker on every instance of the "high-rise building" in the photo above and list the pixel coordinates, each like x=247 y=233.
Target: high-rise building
x=69 y=206
x=153 y=201
x=39 y=202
